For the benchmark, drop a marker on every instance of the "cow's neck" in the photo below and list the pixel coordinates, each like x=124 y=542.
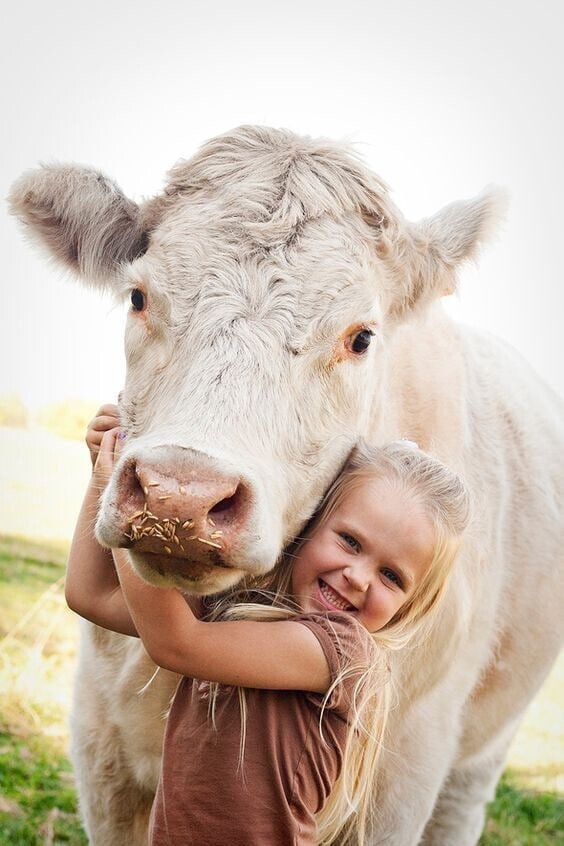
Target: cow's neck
x=420 y=390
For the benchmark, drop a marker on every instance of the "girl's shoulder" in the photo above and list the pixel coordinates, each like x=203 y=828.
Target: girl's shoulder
x=342 y=622
x=349 y=649
x=341 y=627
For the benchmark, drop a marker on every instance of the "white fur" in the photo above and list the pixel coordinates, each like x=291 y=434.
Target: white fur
x=263 y=249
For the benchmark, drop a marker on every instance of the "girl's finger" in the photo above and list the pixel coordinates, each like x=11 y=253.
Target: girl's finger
x=119 y=442
x=105 y=458
x=95 y=436
x=102 y=422
x=108 y=440
x=109 y=409
x=106 y=450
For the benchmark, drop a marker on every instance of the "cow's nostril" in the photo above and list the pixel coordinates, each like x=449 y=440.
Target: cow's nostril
x=133 y=486
x=223 y=505
x=230 y=508
x=229 y=503
x=137 y=483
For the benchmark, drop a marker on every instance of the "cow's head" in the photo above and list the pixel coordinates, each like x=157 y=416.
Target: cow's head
x=263 y=284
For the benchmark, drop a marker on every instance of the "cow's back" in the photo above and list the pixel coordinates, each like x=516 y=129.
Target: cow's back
x=507 y=430
x=514 y=460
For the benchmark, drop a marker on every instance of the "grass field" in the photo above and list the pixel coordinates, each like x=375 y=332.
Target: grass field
x=38 y=639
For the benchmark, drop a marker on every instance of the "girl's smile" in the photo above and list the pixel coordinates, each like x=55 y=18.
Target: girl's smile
x=368 y=557
x=331 y=598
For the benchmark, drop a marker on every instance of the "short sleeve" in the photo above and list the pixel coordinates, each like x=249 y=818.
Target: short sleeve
x=348 y=648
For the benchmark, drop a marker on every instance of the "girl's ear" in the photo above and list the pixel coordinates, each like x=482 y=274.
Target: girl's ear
x=424 y=257
x=82 y=218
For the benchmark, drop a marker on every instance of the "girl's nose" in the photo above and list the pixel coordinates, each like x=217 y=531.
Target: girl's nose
x=357 y=579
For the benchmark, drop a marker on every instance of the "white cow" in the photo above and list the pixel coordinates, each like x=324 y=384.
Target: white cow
x=282 y=306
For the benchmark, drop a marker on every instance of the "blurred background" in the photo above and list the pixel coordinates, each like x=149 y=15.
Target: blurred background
x=440 y=98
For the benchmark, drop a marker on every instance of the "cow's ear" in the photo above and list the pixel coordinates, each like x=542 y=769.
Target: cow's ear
x=424 y=257
x=82 y=218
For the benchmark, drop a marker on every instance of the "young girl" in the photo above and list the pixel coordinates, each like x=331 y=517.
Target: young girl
x=275 y=729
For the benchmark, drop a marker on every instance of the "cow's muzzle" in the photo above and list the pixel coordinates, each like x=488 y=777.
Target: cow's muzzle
x=177 y=503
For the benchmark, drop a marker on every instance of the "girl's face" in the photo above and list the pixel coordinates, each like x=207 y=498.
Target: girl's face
x=368 y=558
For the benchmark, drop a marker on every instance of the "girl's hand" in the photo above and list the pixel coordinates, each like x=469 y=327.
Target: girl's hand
x=107 y=417
x=108 y=453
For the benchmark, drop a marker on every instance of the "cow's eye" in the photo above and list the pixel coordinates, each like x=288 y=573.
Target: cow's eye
x=137 y=299
x=360 y=341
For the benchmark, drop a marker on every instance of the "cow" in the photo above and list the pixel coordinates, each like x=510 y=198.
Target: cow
x=281 y=307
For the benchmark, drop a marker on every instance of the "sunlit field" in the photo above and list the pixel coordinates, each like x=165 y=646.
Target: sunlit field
x=41 y=481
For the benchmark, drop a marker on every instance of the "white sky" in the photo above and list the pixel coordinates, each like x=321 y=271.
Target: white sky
x=443 y=98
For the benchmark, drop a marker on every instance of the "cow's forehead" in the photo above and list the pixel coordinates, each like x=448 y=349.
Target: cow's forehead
x=197 y=240
x=268 y=219
x=326 y=277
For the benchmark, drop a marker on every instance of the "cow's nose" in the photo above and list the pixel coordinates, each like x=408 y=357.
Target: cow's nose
x=181 y=502
x=197 y=497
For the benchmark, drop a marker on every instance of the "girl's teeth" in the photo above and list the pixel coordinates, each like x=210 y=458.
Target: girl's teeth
x=332 y=597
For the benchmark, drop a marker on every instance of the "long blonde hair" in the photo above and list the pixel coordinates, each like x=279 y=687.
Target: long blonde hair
x=444 y=498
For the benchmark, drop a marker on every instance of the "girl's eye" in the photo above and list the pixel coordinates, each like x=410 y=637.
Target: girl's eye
x=392 y=576
x=350 y=541
x=137 y=300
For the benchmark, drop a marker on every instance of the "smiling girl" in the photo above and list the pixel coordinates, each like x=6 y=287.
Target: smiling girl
x=275 y=729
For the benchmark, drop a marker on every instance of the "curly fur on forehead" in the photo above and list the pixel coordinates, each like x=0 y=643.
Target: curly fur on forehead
x=271 y=182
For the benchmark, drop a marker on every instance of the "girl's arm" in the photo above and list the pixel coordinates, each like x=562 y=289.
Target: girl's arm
x=281 y=655
x=277 y=655
x=92 y=588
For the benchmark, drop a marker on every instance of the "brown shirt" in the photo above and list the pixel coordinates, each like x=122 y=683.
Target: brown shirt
x=203 y=798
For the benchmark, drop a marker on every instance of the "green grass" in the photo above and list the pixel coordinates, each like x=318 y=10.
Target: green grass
x=38 y=805
x=520 y=817
x=38 y=799
x=27 y=570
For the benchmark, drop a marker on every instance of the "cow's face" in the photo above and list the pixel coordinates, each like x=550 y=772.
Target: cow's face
x=262 y=286
x=248 y=379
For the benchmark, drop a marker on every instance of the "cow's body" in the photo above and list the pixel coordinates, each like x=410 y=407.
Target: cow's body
x=462 y=395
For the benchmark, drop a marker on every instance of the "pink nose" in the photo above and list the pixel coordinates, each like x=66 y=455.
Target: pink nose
x=179 y=500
